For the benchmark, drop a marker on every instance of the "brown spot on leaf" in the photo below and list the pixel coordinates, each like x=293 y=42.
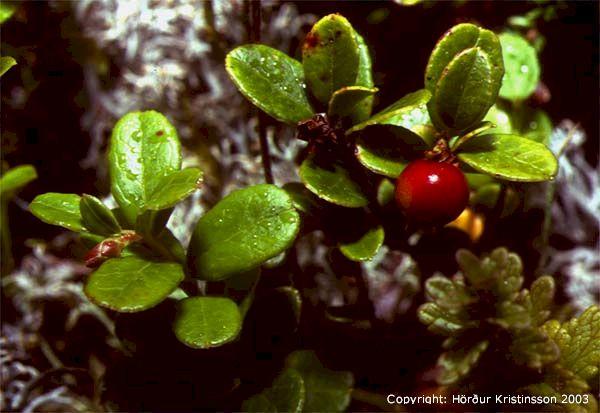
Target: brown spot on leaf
x=160 y=133
x=311 y=41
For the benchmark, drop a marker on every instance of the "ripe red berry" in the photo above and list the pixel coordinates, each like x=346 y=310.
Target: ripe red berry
x=432 y=192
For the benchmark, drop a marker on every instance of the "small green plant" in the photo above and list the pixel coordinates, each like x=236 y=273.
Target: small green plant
x=495 y=327
x=460 y=140
x=140 y=263
x=329 y=97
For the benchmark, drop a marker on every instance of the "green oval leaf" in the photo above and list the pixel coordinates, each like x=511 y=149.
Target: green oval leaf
x=459 y=38
x=133 y=284
x=326 y=390
x=333 y=185
x=365 y=247
x=144 y=149
x=97 y=217
x=464 y=94
x=346 y=100
x=522 y=67
x=510 y=157
x=242 y=231
x=174 y=188
x=466 y=67
x=387 y=150
x=271 y=80
x=380 y=160
x=6 y=62
x=363 y=78
x=330 y=56
x=205 y=322
x=407 y=112
x=58 y=209
x=287 y=394
x=16 y=178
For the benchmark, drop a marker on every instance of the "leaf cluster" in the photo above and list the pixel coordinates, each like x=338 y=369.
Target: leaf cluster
x=577 y=366
x=140 y=261
x=355 y=150
x=484 y=311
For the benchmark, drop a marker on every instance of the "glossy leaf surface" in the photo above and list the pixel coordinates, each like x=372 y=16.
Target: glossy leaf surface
x=205 y=322
x=58 y=209
x=408 y=112
x=334 y=184
x=133 y=284
x=271 y=80
x=242 y=231
x=97 y=217
x=387 y=150
x=522 y=67
x=16 y=178
x=330 y=56
x=6 y=62
x=364 y=78
x=510 y=157
x=365 y=247
x=144 y=149
x=174 y=188
x=464 y=74
x=347 y=100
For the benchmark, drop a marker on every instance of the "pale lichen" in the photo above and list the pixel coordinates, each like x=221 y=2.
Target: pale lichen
x=575 y=213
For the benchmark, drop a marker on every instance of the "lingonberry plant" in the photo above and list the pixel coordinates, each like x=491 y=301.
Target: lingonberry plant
x=435 y=135
x=460 y=143
x=140 y=263
x=468 y=127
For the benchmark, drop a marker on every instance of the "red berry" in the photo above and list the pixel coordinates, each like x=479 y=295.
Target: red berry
x=432 y=192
